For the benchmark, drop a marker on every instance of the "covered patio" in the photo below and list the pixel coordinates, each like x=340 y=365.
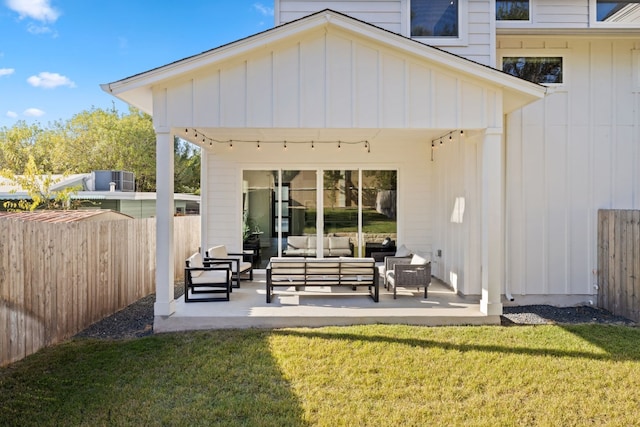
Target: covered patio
x=323 y=94
x=315 y=307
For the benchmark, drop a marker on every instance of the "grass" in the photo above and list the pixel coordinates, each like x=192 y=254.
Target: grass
x=345 y=220
x=377 y=375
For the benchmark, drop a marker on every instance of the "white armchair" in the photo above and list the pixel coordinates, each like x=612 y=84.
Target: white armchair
x=241 y=263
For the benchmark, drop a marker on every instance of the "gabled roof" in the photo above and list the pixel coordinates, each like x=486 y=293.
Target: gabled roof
x=136 y=90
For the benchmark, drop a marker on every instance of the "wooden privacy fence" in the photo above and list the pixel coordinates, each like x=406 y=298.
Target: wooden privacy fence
x=57 y=279
x=619 y=262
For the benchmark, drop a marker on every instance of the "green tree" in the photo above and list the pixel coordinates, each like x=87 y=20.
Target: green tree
x=186 y=167
x=104 y=140
x=38 y=187
x=17 y=144
x=98 y=139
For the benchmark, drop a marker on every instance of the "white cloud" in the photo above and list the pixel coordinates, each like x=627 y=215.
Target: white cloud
x=48 y=80
x=265 y=10
x=39 y=29
x=11 y=114
x=40 y=10
x=33 y=112
x=6 y=71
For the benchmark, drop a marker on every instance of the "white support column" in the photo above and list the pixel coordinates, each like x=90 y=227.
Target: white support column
x=165 y=304
x=204 y=200
x=319 y=217
x=493 y=228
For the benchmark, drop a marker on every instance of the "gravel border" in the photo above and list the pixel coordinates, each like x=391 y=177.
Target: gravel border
x=136 y=320
x=547 y=314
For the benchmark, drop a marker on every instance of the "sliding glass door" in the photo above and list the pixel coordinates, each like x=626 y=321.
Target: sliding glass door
x=379 y=208
x=280 y=209
x=340 y=200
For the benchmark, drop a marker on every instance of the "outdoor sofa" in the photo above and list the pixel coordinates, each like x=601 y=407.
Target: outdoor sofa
x=298 y=272
x=305 y=246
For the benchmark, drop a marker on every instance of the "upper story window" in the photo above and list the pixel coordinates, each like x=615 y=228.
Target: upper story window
x=510 y=10
x=537 y=69
x=434 y=18
x=618 y=12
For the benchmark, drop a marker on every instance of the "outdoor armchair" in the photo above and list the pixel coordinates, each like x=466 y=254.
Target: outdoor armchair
x=213 y=279
x=241 y=263
x=407 y=272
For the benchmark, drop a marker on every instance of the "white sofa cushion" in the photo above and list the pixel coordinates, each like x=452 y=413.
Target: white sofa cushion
x=195 y=261
x=210 y=276
x=418 y=260
x=219 y=251
x=297 y=242
x=339 y=243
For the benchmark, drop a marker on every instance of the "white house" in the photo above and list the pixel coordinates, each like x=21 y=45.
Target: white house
x=500 y=127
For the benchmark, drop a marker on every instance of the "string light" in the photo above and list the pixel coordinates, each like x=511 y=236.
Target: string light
x=449 y=134
x=201 y=136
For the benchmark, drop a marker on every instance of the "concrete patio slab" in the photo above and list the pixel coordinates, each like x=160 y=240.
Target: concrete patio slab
x=315 y=307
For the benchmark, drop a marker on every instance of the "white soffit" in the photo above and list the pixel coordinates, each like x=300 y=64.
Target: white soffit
x=137 y=90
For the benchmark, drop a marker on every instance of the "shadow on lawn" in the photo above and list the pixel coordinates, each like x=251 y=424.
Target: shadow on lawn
x=619 y=343
x=212 y=378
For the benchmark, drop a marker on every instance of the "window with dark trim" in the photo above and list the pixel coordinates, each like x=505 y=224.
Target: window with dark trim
x=537 y=69
x=510 y=10
x=434 y=18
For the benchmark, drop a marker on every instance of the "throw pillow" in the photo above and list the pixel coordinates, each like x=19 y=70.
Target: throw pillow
x=418 y=260
x=403 y=251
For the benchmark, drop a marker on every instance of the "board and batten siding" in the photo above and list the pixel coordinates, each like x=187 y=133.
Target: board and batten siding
x=568 y=155
x=456 y=211
x=327 y=79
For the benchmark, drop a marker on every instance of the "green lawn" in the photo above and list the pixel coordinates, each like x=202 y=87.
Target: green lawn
x=352 y=376
x=345 y=220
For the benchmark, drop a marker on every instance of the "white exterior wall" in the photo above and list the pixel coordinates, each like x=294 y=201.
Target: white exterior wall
x=410 y=159
x=574 y=152
x=479 y=33
x=477 y=30
x=385 y=14
x=565 y=14
x=328 y=79
x=457 y=202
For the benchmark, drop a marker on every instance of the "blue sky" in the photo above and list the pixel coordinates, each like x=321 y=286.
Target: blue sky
x=54 y=54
